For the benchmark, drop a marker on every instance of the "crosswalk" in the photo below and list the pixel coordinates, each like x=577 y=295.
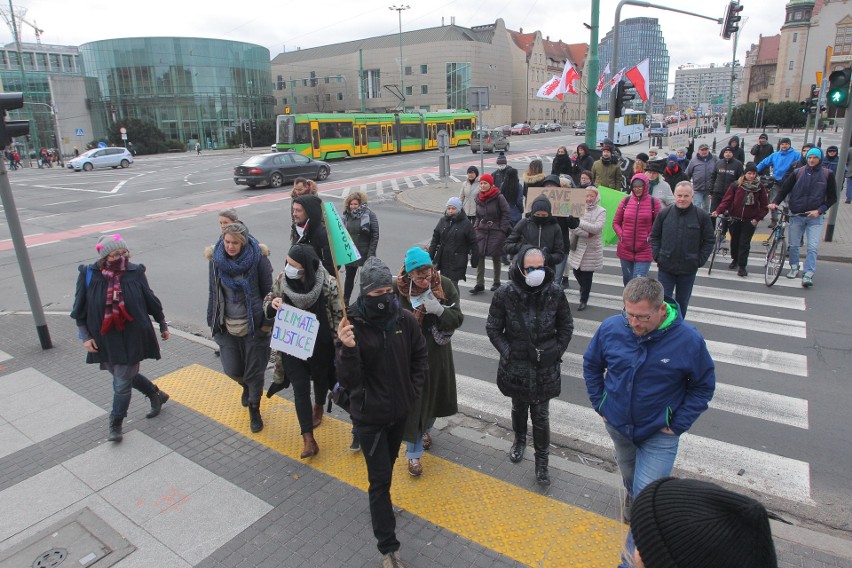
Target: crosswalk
x=741 y=324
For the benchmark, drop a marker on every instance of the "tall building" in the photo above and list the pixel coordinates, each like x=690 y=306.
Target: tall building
x=758 y=75
x=792 y=79
x=705 y=88
x=639 y=38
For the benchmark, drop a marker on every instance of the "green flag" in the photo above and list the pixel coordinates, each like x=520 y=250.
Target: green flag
x=610 y=200
x=343 y=250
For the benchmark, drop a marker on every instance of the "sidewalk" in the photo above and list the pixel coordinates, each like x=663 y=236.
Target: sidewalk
x=193 y=487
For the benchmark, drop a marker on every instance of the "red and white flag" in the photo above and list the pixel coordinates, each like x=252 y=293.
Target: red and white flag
x=640 y=77
x=602 y=81
x=566 y=83
x=550 y=89
x=616 y=78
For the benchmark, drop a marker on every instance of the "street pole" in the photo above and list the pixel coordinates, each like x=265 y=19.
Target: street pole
x=399 y=10
x=731 y=89
x=594 y=70
x=838 y=177
x=361 y=80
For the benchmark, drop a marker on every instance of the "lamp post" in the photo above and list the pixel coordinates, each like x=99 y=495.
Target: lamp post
x=399 y=10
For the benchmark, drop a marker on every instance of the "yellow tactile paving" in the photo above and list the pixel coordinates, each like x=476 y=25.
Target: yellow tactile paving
x=520 y=524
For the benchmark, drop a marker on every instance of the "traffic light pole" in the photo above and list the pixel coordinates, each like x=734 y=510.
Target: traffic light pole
x=838 y=177
x=731 y=88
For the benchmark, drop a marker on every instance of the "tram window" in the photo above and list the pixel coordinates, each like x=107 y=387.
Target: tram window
x=303 y=134
x=373 y=134
x=409 y=131
x=336 y=129
x=463 y=124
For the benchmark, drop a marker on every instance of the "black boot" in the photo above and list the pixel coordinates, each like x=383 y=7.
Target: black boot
x=519 y=426
x=541 y=440
x=157 y=398
x=115 y=434
x=256 y=420
x=244 y=399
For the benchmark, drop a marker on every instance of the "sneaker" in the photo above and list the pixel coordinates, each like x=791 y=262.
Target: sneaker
x=794 y=272
x=808 y=279
x=392 y=560
x=495 y=286
x=477 y=289
x=415 y=468
x=742 y=272
x=625 y=510
x=355 y=445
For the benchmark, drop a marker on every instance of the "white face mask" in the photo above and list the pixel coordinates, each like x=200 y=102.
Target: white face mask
x=292 y=272
x=535 y=278
x=501 y=166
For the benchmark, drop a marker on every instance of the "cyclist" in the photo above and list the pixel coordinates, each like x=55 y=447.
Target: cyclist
x=812 y=191
x=746 y=201
x=780 y=161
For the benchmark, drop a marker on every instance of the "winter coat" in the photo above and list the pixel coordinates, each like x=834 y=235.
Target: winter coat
x=588 y=254
x=137 y=341
x=315 y=233
x=516 y=204
x=761 y=152
x=522 y=320
x=780 y=161
x=543 y=233
x=739 y=153
x=467 y=193
x=734 y=203
x=491 y=225
x=808 y=190
x=260 y=287
x=724 y=174
x=452 y=241
x=607 y=175
x=632 y=223
x=500 y=176
x=536 y=180
x=700 y=172
x=584 y=162
x=385 y=371
x=662 y=191
x=438 y=396
x=674 y=177
x=561 y=165
x=682 y=239
x=644 y=384
x=364 y=231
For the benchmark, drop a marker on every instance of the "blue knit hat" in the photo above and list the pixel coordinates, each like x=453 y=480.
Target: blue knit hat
x=415 y=257
x=814 y=152
x=455 y=202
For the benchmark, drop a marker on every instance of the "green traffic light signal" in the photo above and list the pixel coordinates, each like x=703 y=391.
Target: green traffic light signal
x=838 y=88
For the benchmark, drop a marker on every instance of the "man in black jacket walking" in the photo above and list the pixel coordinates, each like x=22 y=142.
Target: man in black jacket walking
x=727 y=171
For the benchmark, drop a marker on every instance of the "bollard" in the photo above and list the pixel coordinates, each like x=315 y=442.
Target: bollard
x=819 y=142
x=714 y=144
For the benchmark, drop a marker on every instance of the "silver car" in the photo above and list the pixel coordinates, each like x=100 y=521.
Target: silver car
x=101 y=158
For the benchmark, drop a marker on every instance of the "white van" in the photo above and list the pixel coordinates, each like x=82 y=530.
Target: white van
x=101 y=158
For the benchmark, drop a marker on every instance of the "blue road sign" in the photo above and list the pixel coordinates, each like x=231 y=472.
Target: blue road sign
x=78 y=132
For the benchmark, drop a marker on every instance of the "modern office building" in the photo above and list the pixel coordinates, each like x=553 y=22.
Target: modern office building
x=191 y=88
x=705 y=88
x=639 y=39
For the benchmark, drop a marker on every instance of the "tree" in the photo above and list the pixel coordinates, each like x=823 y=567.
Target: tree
x=146 y=137
x=783 y=115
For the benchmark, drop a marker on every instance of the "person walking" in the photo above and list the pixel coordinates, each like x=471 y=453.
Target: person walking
x=113 y=306
x=747 y=202
x=779 y=162
x=491 y=227
x=309 y=228
x=640 y=163
x=761 y=150
x=434 y=302
x=363 y=227
x=538 y=229
x=736 y=149
x=673 y=172
x=381 y=346
x=700 y=173
x=632 y=222
x=606 y=172
x=727 y=171
x=240 y=277
x=453 y=242
x=197 y=149
x=682 y=240
x=503 y=171
x=530 y=325
x=469 y=189
x=586 y=244
x=512 y=191
x=849 y=175
x=657 y=186
x=306 y=285
x=534 y=176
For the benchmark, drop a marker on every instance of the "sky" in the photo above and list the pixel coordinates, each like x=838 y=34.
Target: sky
x=287 y=24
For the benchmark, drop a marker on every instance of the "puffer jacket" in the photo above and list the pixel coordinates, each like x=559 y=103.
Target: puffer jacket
x=780 y=162
x=644 y=384
x=682 y=239
x=543 y=233
x=588 y=254
x=452 y=241
x=491 y=225
x=761 y=151
x=547 y=325
x=632 y=223
x=734 y=203
x=260 y=287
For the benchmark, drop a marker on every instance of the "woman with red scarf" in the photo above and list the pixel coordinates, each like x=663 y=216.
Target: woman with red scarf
x=492 y=226
x=112 y=305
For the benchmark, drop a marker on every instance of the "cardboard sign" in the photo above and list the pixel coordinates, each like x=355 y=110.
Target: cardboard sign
x=294 y=332
x=564 y=201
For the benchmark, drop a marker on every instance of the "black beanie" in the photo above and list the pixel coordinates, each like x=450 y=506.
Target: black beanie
x=686 y=523
x=473 y=169
x=541 y=203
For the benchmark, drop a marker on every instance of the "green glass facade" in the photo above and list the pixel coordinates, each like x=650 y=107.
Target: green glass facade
x=191 y=88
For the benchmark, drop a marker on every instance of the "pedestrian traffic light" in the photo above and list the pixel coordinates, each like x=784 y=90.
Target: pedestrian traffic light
x=813 y=100
x=803 y=107
x=253 y=124
x=838 y=88
x=732 y=18
x=623 y=93
x=12 y=128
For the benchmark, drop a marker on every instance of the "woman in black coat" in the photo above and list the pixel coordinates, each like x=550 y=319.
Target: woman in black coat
x=562 y=162
x=363 y=226
x=112 y=305
x=582 y=163
x=453 y=241
x=538 y=229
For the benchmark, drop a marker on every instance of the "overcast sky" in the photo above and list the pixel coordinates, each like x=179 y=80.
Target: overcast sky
x=276 y=24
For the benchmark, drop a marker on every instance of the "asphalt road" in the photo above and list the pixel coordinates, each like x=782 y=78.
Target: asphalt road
x=165 y=207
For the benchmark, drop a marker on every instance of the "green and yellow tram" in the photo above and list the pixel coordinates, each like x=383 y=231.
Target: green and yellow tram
x=354 y=135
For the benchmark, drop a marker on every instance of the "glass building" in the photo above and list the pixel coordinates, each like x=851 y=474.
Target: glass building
x=193 y=89
x=639 y=39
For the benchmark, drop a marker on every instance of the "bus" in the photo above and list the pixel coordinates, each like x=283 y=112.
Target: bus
x=355 y=135
x=629 y=128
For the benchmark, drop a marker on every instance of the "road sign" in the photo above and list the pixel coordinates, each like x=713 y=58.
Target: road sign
x=477 y=98
x=822 y=91
x=78 y=132
x=124 y=136
x=819 y=77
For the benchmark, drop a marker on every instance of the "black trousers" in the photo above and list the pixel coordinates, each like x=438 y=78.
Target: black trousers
x=540 y=414
x=584 y=279
x=380 y=446
x=741 y=234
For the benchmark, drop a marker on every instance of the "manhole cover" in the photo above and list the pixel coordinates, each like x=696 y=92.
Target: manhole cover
x=53 y=557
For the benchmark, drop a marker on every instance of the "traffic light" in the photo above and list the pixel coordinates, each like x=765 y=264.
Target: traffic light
x=813 y=101
x=803 y=107
x=623 y=93
x=838 y=88
x=12 y=128
x=732 y=18
x=253 y=124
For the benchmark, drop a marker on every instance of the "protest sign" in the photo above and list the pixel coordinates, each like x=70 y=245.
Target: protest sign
x=342 y=248
x=564 y=201
x=294 y=332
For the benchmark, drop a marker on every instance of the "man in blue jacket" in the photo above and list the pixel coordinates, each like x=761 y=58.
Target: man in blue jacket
x=780 y=162
x=649 y=375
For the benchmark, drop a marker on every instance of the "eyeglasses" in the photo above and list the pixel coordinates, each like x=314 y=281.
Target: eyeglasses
x=115 y=254
x=532 y=269
x=637 y=317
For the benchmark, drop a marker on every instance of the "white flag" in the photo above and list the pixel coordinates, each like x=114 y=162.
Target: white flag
x=550 y=89
x=602 y=81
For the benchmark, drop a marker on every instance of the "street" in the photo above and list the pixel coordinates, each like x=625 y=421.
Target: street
x=778 y=424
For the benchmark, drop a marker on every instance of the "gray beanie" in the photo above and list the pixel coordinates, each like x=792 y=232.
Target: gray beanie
x=374 y=274
x=109 y=243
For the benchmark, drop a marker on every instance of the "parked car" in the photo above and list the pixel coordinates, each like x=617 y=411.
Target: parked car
x=492 y=141
x=101 y=158
x=658 y=128
x=580 y=130
x=506 y=128
x=521 y=128
x=539 y=128
x=276 y=169
x=554 y=127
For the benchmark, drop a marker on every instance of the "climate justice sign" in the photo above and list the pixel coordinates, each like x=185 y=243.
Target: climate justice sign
x=294 y=332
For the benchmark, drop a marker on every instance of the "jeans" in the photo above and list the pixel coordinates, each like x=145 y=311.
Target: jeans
x=124 y=379
x=633 y=269
x=480 y=270
x=699 y=200
x=811 y=228
x=414 y=450
x=773 y=193
x=647 y=461
x=677 y=286
x=559 y=269
x=584 y=279
x=244 y=359
x=380 y=446
x=741 y=234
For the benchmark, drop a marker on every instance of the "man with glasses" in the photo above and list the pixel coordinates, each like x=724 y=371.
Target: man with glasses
x=649 y=375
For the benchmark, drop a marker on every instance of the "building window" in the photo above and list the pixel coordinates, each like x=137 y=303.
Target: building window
x=408 y=70
x=284 y=100
x=328 y=97
x=424 y=69
x=339 y=96
x=424 y=89
x=281 y=83
x=795 y=36
x=797 y=15
x=409 y=90
x=304 y=82
x=786 y=93
x=325 y=80
x=372 y=84
x=790 y=67
x=458 y=82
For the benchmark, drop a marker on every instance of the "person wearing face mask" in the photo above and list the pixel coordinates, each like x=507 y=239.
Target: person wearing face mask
x=491 y=227
x=309 y=228
x=586 y=244
x=606 y=172
x=435 y=303
x=530 y=325
x=539 y=229
x=453 y=242
x=561 y=162
x=382 y=359
x=501 y=174
x=583 y=163
x=469 y=189
x=305 y=284
x=632 y=223
x=113 y=305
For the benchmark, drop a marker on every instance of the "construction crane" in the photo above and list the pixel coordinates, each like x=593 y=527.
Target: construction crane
x=19 y=16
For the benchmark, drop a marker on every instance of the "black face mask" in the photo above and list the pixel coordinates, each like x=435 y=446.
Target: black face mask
x=539 y=220
x=378 y=308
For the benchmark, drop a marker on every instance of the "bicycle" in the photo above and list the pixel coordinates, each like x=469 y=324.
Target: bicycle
x=722 y=222
x=776 y=248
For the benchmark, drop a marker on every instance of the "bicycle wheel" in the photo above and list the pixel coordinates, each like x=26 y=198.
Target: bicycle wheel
x=720 y=235
x=775 y=256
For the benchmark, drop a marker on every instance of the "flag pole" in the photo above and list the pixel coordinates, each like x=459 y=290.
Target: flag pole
x=334 y=262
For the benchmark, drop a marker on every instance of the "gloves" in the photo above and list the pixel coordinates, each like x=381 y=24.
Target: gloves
x=572 y=222
x=474 y=261
x=433 y=306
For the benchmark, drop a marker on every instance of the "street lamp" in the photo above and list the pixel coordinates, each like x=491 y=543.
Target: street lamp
x=399 y=10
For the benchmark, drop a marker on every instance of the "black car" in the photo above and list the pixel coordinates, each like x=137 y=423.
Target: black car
x=539 y=128
x=276 y=169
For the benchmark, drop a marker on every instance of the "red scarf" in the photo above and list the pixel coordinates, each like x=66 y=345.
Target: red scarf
x=491 y=192
x=115 y=314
